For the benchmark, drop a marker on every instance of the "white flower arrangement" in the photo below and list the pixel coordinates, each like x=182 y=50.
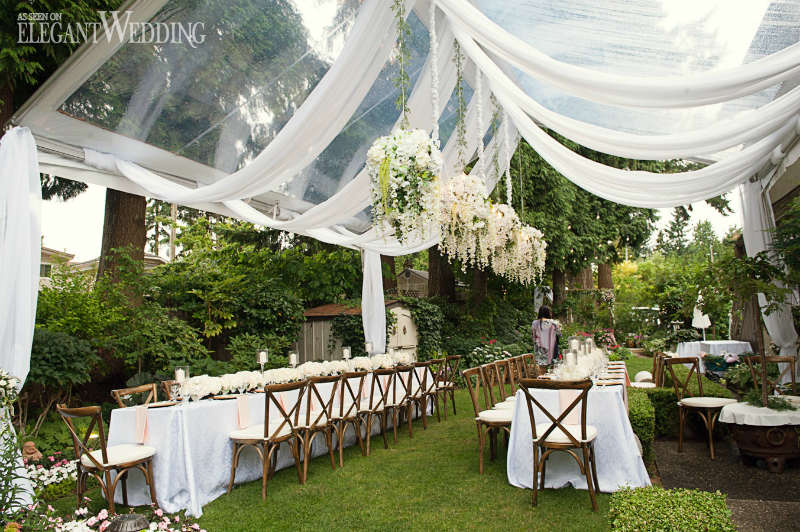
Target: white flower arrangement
x=362 y=363
x=404 y=358
x=58 y=472
x=201 y=386
x=404 y=172
x=481 y=234
x=382 y=362
x=9 y=388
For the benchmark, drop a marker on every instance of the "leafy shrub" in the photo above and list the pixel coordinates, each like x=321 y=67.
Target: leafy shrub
x=59 y=362
x=243 y=348
x=489 y=351
x=657 y=509
x=656 y=345
x=349 y=328
x=620 y=353
x=739 y=379
x=643 y=419
x=682 y=335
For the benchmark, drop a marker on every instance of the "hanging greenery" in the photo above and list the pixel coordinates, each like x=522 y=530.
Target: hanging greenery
x=403 y=57
x=461 y=127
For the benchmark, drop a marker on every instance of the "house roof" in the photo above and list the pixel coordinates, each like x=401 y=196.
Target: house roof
x=332 y=310
x=411 y=271
x=56 y=254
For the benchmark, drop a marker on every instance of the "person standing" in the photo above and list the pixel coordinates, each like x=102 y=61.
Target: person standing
x=546 y=332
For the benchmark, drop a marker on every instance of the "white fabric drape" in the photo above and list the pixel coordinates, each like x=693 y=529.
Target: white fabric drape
x=653 y=92
x=20 y=255
x=757 y=235
x=373 y=309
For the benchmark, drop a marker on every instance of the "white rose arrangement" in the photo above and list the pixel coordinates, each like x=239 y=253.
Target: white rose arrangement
x=404 y=172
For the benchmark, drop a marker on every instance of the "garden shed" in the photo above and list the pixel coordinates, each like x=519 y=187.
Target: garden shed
x=316 y=341
x=413 y=283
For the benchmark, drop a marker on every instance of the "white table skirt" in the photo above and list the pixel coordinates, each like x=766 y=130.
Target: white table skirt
x=618 y=460
x=717 y=347
x=192 y=464
x=746 y=414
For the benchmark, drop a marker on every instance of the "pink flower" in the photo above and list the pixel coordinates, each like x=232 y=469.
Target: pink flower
x=177 y=519
x=103 y=514
x=91 y=521
x=50 y=508
x=104 y=525
x=159 y=512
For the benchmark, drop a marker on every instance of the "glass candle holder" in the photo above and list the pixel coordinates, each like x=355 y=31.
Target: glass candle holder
x=346 y=353
x=293 y=359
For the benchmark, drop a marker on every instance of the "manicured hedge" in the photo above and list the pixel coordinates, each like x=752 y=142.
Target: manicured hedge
x=642 y=416
x=657 y=509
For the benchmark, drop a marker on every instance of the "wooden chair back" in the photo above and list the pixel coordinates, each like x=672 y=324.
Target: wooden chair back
x=530 y=367
x=449 y=370
x=166 y=387
x=681 y=387
x=422 y=387
x=381 y=389
x=508 y=382
x=81 y=444
x=402 y=384
x=755 y=360
x=517 y=366
x=320 y=400
x=123 y=395
x=351 y=388
x=658 y=368
x=557 y=420
x=288 y=411
x=474 y=381
x=491 y=383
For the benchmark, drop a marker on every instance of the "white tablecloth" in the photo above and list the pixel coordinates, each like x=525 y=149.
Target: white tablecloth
x=192 y=464
x=711 y=347
x=746 y=414
x=618 y=460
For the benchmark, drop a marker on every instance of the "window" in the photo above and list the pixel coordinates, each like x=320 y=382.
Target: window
x=45 y=269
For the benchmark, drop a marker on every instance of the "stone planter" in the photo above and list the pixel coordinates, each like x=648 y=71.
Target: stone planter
x=773 y=444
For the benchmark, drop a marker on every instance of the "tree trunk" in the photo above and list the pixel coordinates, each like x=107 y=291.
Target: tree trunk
x=124 y=226
x=559 y=286
x=604 y=280
x=6 y=107
x=390 y=282
x=480 y=286
x=441 y=281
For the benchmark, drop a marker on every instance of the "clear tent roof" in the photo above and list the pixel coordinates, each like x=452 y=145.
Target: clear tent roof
x=220 y=104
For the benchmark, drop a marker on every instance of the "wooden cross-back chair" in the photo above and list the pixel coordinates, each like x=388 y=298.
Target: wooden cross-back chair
x=317 y=418
x=166 y=387
x=446 y=381
x=708 y=408
x=530 y=367
x=556 y=434
x=421 y=392
x=658 y=368
x=754 y=364
x=267 y=438
x=518 y=370
x=124 y=396
x=488 y=421
x=350 y=390
x=398 y=401
x=100 y=463
x=379 y=389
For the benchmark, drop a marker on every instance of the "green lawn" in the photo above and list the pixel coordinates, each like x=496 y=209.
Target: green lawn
x=430 y=482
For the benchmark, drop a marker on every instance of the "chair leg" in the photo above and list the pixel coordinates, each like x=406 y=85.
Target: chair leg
x=329 y=441
x=109 y=489
x=395 y=421
x=535 y=495
x=410 y=417
x=384 y=417
x=79 y=487
x=682 y=417
x=709 y=421
x=481 y=445
x=594 y=468
x=233 y=465
x=265 y=459
x=436 y=405
x=341 y=427
x=424 y=407
x=306 y=452
x=357 y=427
x=542 y=471
x=368 y=431
x=444 y=403
x=492 y=444
x=124 y=481
x=295 y=446
x=453 y=400
x=589 y=482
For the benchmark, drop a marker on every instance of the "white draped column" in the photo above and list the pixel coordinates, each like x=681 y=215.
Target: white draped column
x=373 y=308
x=757 y=234
x=20 y=254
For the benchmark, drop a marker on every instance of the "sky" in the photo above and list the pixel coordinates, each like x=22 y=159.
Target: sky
x=76 y=226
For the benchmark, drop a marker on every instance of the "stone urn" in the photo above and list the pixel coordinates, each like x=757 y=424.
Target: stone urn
x=128 y=523
x=773 y=444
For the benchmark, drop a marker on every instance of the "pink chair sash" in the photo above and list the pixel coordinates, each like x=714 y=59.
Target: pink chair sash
x=141 y=423
x=242 y=412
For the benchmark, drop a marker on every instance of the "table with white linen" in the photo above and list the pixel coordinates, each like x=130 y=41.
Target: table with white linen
x=747 y=414
x=194 y=453
x=619 y=462
x=711 y=347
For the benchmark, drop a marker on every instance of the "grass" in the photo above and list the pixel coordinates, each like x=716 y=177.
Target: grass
x=430 y=482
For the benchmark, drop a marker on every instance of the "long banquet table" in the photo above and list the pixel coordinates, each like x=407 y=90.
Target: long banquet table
x=619 y=462
x=192 y=464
